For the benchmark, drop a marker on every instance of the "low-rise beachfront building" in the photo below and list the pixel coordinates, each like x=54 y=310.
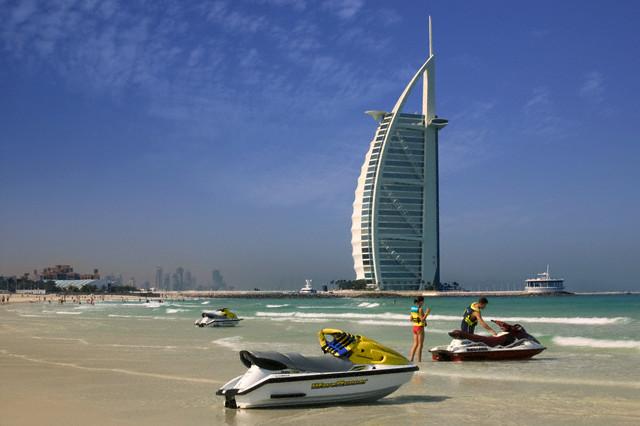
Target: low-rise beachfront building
x=78 y=284
x=65 y=272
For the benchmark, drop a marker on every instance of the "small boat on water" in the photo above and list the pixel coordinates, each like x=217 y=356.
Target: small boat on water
x=222 y=317
x=544 y=284
x=308 y=288
x=352 y=369
x=513 y=343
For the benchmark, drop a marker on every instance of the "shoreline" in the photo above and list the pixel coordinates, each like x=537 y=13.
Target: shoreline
x=282 y=294
x=54 y=298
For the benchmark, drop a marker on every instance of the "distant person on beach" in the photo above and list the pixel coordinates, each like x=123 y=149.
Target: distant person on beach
x=418 y=319
x=472 y=316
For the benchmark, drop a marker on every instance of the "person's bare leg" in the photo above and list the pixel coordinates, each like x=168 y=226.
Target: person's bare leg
x=420 y=344
x=414 y=346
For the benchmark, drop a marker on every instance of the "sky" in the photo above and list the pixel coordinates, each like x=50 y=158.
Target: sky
x=230 y=134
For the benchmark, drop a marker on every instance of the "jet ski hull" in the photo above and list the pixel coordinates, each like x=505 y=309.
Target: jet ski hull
x=514 y=343
x=218 y=323
x=295 y=389
x=484 y=355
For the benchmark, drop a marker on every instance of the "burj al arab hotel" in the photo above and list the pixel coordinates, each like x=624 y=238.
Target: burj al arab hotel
x=395 y=224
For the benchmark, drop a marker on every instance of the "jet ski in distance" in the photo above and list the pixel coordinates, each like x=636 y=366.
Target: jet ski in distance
x=222 y=317
x=353 y=369
x=513 y=343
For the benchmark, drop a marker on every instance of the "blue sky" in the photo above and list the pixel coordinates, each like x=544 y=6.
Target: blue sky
x=230 y=134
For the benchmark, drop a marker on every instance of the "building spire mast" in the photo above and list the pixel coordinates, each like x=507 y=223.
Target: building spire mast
x=430 y=38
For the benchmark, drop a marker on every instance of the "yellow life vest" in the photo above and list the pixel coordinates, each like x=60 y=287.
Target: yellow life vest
x=468 y=314
x=416 y=318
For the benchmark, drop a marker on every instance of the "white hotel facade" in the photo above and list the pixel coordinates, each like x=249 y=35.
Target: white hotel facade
x=395 y=222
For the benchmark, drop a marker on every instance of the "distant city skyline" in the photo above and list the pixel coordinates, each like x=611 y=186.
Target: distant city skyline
x=230 y=135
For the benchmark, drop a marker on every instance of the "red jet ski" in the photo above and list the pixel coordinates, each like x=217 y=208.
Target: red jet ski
x=513 y=343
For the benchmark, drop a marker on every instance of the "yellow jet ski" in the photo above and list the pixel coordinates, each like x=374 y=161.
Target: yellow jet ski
x=353 y=368
x=222 y=317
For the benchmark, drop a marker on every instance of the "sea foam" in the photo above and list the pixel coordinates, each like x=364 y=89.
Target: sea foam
x=368 y=305
x=175 y=311
x=233 y=342
x=596 y=343
x=452 y=318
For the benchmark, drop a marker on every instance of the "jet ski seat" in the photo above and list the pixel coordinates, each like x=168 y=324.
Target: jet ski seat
x=492 y=341
x=275 y=361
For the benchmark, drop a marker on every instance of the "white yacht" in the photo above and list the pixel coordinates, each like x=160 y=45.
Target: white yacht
x=308 y=288
x=543 y=283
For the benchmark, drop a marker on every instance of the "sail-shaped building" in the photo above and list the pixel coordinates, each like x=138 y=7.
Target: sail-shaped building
x=395 y=224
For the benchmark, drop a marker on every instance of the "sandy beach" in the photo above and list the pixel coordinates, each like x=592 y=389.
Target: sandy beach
x=108 y=365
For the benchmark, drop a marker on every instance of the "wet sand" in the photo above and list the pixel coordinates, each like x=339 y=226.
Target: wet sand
x=70 y=370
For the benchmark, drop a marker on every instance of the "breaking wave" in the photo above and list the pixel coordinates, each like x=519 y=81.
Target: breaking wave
x=428 y=330
x=368 y=305
x=277 y=306
x=454 y=318
x=596 y=343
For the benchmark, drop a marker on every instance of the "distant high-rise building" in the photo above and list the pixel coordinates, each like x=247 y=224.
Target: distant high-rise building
x=395 y=222
x=159 y=277
x=179 y=278
x=175 y=282
x=217 y=280
x=166 y=282
x=188 y=280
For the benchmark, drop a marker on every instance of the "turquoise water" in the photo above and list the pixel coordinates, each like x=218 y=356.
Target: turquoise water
x=591 y=340
x=148 y=363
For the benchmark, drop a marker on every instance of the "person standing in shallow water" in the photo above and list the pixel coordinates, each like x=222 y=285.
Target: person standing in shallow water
x=472 y=316
x=418 y=319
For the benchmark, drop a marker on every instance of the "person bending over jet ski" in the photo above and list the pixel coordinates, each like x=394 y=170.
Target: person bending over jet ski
x=419 y=321
x=472 y=316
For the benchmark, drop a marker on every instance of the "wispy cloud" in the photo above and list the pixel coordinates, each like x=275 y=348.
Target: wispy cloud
x=210 y=67
x=345 y=9
x=177 y=50
x=539 y=100
x=389 y=16
x=468 y=140
x=541 y=116
x=298 y=5
x=592 y=89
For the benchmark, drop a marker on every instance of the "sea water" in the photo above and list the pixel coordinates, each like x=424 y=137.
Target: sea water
x=587 y=337
x=591 y=362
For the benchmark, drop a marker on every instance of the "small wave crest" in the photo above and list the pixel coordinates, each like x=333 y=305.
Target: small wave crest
x=152 y=304
x=175 y=311
x=233 y=342
x=586 y=342
x=328 y=315
x=276 y=306
x=368 y=305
